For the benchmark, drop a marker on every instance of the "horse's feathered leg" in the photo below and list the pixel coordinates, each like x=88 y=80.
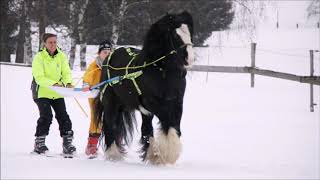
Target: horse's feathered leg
x=146 y=134
x=113 y=149
x=167 y=147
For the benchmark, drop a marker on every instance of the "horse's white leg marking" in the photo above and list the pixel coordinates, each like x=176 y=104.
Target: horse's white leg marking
x=153 y=153
x=184 y=33
x=166 y=150
x=169 y=146
x=113 y=153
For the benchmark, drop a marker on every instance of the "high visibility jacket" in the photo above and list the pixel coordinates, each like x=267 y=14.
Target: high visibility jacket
x=47 y=70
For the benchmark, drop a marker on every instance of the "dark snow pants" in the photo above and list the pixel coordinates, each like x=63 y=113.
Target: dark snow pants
x=45 y=119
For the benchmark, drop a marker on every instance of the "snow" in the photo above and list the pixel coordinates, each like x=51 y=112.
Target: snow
x=229 y=130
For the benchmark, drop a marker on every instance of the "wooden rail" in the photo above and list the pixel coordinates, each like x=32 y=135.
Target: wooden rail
x=233 y=69
x=15 y=64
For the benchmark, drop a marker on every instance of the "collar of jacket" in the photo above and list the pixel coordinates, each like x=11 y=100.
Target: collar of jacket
x=47 y=52
x=99 y=62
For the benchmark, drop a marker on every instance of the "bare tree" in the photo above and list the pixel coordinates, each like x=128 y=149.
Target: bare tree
x=24 y=46
x=247 y=15
x=77 y=31
x=21 y=35
x=28 y=44
x=81 y=30
x=42 y=17
x=116 y=11
x=72 y=23
x=314 y=9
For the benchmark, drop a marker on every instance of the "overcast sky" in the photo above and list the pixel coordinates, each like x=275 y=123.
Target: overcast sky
x=291 y=12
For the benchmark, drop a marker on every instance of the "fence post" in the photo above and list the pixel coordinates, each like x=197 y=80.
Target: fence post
x=253 y=61
x=208 y=56
x=311 y=85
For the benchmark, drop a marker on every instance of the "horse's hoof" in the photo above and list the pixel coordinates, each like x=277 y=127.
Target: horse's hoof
x=153 y=153
x=114 y=158
x=114 y=154
x=166 y=150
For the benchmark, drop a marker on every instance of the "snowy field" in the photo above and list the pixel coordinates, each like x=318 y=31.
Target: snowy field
x=229 y=130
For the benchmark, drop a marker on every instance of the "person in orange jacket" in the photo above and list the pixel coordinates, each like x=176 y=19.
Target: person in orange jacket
x=91 y=78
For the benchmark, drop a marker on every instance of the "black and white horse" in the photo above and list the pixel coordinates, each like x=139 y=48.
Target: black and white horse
x=158 y=91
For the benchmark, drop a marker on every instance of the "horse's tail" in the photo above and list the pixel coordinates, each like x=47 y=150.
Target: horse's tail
x=126 y=125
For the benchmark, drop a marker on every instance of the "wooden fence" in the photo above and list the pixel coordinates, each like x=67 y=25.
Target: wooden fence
x=252 y=70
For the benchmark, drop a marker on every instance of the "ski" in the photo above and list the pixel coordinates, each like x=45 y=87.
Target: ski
x=46 y=154
x=92 y=156
x=70 y=156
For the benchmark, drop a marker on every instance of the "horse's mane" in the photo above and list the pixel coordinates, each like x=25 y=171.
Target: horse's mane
x=155 y=44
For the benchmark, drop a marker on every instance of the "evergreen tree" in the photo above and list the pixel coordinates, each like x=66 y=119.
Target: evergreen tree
x=139 y=15
x=9 y=24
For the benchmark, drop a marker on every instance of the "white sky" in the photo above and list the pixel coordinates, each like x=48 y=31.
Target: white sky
x=290 y=12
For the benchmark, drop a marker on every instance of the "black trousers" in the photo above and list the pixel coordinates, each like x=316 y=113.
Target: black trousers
x=45 y=119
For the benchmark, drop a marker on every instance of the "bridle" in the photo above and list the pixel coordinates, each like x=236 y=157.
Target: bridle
x=173 y=48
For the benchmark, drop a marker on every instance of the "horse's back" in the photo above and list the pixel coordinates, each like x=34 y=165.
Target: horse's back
x=121 y=57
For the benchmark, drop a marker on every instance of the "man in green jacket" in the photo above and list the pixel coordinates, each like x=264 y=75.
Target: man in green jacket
x=50 y=67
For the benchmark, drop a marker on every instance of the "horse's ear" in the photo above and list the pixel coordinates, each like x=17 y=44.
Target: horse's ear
x=186 y=17
x=185 y=14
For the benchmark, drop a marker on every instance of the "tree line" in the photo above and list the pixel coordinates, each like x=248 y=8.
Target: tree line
x=90 y=21
x=87 y=22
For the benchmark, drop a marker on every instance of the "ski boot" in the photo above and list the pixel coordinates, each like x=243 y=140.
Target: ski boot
x=68 y=148
x=40 y=146
x=92 y=149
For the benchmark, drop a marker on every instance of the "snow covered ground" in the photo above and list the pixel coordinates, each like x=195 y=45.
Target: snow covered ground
x=229 y=130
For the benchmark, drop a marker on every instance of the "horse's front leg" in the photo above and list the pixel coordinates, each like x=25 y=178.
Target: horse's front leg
x=146 y=134
x=167 y=147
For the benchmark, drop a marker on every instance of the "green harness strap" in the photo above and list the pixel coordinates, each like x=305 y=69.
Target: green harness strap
x=131 y=76
x=133 y=55
x=134 y=76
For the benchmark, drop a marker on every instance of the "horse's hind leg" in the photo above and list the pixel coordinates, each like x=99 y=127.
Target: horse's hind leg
x=113 y=149
x=146 y=134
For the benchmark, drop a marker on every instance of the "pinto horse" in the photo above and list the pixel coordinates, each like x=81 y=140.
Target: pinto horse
x=152 y=82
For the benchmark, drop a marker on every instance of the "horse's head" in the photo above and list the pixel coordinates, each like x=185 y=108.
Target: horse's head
x=173 y=32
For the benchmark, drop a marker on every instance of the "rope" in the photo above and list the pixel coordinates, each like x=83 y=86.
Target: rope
x=84 y=112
